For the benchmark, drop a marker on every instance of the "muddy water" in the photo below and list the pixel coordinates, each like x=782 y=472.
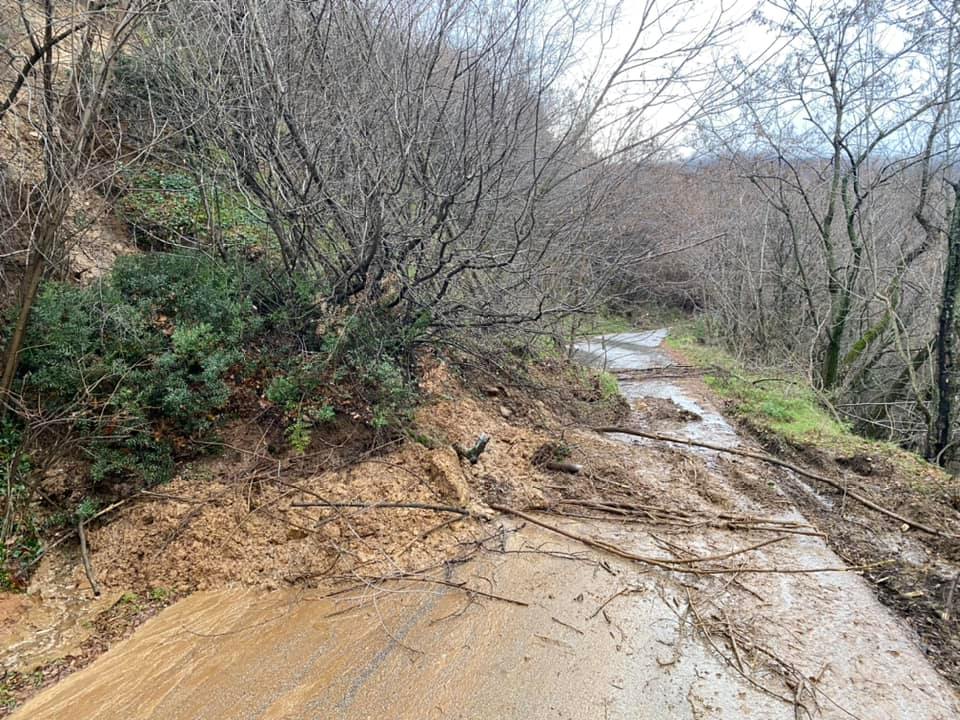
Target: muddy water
x=589 y=640
x=644 y=351
x=52 y=620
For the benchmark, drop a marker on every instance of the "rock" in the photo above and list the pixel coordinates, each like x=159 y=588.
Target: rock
x=446 y=475
x=296 y=534
x=491 y=391
x=506 y=412
x=564 y=467
x=860 y=464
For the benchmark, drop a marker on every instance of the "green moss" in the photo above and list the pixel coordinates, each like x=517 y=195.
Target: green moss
x=159 y=594
x=782 y=402
x=652 y=317
x=147 y=353
x=8 y=699
x=601 y=323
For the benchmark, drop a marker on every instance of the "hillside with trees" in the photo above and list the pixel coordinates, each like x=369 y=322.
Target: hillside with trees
x=285 y=227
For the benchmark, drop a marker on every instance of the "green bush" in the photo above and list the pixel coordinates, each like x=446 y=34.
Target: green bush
x=162 y=206
x=21 y=546
x=284 y=391
x=609 y=387
x=286 y=301
x=298 y=434
x=144 y=356
x=389 y=391
x=299 y=387
x=145 y=360
x=375 y=350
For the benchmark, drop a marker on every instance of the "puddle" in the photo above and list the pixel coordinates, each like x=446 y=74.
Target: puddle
x=644 y=351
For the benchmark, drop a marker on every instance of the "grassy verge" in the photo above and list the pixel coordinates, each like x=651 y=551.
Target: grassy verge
x=779 y=404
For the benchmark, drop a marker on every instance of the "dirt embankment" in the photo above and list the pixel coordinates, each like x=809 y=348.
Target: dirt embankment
x=351 y=509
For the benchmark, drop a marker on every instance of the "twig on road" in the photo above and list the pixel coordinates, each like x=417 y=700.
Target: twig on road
x=383 y=506
x=770 y=459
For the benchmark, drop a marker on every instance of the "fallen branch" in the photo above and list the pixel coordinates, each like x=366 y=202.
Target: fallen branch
x=564 y=467
x=705 y=629
x=85 y=556
x=732 y=553
x=771 y=460
x=383 y=506
x=429 y=531
x=589 y=542
x=627 y=512
x=621 y=591
x=417 y=576
x=681 y=566
x=69 y=533
x=463 y=586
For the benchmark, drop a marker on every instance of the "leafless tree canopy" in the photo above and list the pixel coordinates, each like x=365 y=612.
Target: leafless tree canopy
x=832 y=178
x=435 y=158
x=458 y=164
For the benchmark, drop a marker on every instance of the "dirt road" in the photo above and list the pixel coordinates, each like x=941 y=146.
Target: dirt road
x=559 y=631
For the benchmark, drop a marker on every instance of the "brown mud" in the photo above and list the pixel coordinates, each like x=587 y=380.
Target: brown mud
x=238 y=518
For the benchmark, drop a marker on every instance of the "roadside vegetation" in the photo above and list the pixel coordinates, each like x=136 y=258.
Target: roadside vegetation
x=775 y=400
x=778 y=404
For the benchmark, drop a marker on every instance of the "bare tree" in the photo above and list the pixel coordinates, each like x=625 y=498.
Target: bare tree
x=63 y=105
x=845 y=138
x=433 y=158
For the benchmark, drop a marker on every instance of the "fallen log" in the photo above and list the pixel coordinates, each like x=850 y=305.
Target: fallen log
x=382 y=506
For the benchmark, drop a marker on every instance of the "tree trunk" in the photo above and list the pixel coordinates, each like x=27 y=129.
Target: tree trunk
x=946 y=340
x=29 y=288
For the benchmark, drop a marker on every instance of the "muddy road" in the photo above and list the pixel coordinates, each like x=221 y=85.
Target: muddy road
x=552 y=629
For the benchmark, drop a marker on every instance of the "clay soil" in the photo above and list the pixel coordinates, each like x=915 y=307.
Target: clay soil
x=256 y=516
